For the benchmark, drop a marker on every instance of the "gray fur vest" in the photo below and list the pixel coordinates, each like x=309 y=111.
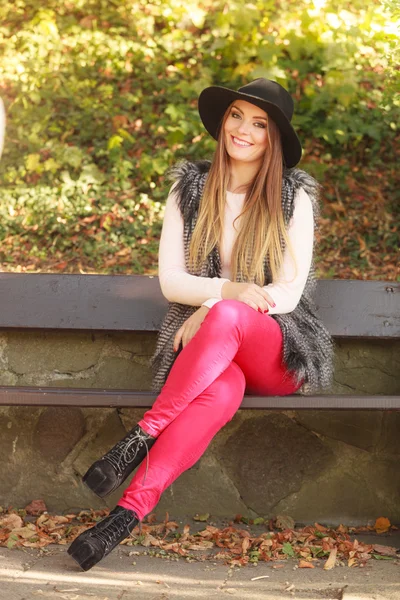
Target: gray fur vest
x=307 y=345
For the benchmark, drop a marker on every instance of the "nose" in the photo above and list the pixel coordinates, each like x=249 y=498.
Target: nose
x=243 y=129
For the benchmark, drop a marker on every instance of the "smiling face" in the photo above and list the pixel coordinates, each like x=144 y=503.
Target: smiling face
x=246 y=132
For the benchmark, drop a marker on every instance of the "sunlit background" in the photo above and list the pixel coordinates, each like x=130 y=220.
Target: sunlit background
x=101 y=99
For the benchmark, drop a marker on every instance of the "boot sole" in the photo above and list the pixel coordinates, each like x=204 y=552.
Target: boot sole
x=83 y=554
x=97 y=482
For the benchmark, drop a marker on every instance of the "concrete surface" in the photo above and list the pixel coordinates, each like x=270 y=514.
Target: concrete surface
x=128 y=574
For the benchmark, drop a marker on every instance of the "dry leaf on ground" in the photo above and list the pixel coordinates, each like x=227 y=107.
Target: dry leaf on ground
x=385 y=550
x=36 y=507
x=11 y=521
x=382 y=525
x=304 y=564
x=330 y=563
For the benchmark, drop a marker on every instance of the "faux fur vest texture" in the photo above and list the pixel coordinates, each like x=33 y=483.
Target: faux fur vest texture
x=307 y=345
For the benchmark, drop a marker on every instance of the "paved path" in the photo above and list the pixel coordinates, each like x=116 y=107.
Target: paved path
x=30 y=575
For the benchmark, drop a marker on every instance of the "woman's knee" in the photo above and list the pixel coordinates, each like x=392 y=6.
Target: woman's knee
x=227 y=311
x=229 y=389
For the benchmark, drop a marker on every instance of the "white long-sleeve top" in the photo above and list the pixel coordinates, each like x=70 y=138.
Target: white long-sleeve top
x=177 y=285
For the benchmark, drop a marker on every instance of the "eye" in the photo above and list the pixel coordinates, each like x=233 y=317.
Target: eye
x=262 y=125
x=235 y=114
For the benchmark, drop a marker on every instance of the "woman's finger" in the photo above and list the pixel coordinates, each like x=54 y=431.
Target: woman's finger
x=250 y=303
x=186 y=336
x=189 y=333
x=177 y=339
x=267 y=298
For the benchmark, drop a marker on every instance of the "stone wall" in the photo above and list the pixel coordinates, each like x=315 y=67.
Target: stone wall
x=329 y=466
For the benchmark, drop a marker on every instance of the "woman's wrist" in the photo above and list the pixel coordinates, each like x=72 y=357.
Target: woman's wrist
x=226 y=291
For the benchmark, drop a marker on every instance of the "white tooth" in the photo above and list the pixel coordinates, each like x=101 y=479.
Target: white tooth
x=240 y=142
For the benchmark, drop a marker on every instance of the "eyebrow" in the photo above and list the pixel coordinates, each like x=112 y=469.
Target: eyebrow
x=237 y=108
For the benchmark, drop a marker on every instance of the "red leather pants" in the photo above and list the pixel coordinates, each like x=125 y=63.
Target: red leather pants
x=236 y=349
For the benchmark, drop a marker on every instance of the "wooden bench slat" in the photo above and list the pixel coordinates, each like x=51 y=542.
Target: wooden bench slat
x=135 y=303
x=91 y=398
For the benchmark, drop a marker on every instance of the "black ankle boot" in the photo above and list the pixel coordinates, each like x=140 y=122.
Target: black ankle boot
x=95 y=543
x=107 y=474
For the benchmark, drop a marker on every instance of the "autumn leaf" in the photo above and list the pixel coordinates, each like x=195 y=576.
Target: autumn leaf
x=287 y=549
x=11 y=521
x=330 y=563
x=36 y=507
x=26 y=532
x=382 y=525
x=385 y=550
x=245 y=545
x=202 y=518
x=304 y=564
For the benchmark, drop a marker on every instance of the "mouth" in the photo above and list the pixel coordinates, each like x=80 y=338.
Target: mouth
x=240 y=143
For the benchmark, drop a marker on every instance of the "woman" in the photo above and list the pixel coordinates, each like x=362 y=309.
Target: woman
x=235 y=262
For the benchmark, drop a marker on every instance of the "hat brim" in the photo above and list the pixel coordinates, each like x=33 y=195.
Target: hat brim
x=214 y=101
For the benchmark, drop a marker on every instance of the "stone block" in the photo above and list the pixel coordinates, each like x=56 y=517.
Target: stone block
x=358 y=428
x=382 y=477
x=102 y=440
x=131 y=416
x=122 y=373
x=367 y=367
x=357 y=490
x=205 y=489
x=334 y=498
x=57 y=431
x=135 y=342
x=270 y=457
x=389 y=442
x=37 y=351
x=8 y=378
x=111 y=372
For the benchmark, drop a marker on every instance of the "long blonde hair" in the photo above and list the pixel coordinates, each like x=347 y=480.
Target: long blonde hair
x=262 y=229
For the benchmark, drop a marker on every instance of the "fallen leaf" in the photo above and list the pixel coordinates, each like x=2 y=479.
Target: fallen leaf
x=385 y=550
x=330 y=563
x=382 y=525
x=36 y=507
x=26 y=532
x=150 y=540
x=204 y=544
x=11 y=521
x=151 y=518
x=202 y=518
x=304 y=564
x=352 y=562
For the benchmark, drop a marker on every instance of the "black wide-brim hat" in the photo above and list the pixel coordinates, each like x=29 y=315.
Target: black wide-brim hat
x=268 y=95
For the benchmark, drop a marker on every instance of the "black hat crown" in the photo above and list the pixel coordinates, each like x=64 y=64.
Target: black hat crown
x=270 y=91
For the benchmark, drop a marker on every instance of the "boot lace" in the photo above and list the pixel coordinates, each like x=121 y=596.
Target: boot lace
x=125 y=451
x=116 y=527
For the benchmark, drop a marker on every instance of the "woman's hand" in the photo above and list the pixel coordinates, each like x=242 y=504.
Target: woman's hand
x=249 y=293
x=190 y=327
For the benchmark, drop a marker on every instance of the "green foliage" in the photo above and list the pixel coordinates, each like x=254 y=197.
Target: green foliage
x=101 y=98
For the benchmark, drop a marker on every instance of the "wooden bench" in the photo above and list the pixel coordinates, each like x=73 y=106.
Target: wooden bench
x=350 y=309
